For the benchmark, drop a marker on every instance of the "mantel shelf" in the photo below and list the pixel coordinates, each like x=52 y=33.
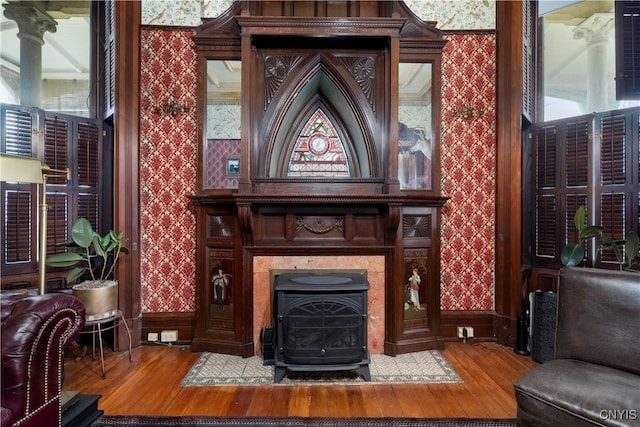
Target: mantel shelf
x=412 y=198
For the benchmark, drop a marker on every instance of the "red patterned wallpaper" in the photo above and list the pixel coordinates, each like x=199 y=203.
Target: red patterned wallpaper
x=168 y=157
x=168 y=168
x=468 y=177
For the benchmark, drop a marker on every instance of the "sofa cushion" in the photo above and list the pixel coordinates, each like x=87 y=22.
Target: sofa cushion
x=598 y=317
x=572 y=392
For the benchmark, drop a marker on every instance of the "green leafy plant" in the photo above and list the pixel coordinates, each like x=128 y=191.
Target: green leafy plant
x=573 y=253
x=97 y=254
x=625 y=250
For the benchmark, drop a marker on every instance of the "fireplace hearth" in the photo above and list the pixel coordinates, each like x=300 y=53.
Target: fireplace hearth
x=321 y=323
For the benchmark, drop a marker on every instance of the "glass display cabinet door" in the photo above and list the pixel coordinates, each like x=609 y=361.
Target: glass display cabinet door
x=415 y=115
x=221 y=159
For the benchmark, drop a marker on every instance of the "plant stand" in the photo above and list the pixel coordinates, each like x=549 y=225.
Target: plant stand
x=102 y=324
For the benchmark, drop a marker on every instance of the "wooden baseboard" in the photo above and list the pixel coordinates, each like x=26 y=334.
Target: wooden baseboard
x=482 y=322
x=184 y=323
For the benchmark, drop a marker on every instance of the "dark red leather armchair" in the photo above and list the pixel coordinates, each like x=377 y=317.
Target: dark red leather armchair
x=34 y=332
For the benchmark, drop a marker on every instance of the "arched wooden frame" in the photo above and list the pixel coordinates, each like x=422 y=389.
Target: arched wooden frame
x=318 y=82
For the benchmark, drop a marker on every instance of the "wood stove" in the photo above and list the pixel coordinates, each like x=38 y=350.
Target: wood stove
x=321 y=323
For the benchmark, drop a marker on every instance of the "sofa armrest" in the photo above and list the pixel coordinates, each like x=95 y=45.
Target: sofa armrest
x=598 y=317
x=34 y=331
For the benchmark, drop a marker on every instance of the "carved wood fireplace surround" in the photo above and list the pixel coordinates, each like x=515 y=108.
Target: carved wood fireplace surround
x=330 y=166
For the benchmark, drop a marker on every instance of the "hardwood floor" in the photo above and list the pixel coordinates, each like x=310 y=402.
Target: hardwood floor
x=149 y=386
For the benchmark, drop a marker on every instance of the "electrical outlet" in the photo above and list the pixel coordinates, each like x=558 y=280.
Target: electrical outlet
x=462 y=329
x=152 y=337
x=169 y=336
x=469 y=331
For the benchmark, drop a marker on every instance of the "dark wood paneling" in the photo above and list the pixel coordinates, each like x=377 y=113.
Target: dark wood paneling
x=509 y=113
x=482 y=323
x=182 y=322
x=126 y=162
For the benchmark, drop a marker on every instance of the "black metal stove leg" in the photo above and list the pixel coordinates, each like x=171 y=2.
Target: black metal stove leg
x=364 y=371
x=279 y=374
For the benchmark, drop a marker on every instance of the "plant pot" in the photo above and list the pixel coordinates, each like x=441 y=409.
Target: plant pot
x=100 y=297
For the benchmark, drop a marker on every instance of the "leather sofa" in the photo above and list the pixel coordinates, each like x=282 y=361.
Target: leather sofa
x=34 y=332
x=594 y=378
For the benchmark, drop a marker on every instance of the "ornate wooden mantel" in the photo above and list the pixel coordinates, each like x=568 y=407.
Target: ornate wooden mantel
x=347 y=67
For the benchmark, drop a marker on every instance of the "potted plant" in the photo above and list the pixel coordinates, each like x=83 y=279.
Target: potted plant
x=626 y=250
x=94 y=256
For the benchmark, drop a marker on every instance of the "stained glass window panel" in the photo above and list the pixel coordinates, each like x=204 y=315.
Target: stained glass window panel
x=319 y=150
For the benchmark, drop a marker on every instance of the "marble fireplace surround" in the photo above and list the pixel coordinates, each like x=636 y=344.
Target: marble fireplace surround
x=373 y=264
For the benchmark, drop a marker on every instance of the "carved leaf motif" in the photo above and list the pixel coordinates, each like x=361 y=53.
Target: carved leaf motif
x=320 y=227
x=364 y=73
x=276 y=69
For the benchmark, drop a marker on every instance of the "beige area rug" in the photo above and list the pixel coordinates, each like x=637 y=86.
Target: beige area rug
x=213 y=369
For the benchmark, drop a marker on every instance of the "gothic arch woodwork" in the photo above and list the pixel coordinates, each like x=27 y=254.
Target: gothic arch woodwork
x=319 y=83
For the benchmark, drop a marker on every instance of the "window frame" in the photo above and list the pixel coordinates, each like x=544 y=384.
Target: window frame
x=627 y=37
x=617 y=219
x=55 y=139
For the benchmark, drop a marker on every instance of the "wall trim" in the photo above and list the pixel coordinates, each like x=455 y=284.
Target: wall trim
x=183 y=322
x=483 y=322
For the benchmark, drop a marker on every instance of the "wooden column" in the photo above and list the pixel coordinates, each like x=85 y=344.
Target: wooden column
x=126 y=122
x=509 y=72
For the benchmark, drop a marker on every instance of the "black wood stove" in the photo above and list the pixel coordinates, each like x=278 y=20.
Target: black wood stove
x=321 y=323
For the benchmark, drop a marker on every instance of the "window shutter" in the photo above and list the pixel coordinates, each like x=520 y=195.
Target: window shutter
x=546 y=157
x=617 y=195
x=573 y=202
x=563 y=151
x=88 y=144
x=612 y=216
x=18 y=232
x=612 y=150
x=109 y=51
x=16 y=131
x=57 y=222
x=546 y=226
x=88 y=205
x=528 y=60
x=576 y=154
x=56 y=135
x=627 y=15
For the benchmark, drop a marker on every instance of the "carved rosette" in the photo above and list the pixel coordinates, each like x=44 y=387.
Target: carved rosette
x=276 y=70
x=416 y=226
x=363 y=71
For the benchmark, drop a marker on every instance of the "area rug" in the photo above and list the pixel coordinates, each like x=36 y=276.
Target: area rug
x=118 y=421
x=213 y=369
